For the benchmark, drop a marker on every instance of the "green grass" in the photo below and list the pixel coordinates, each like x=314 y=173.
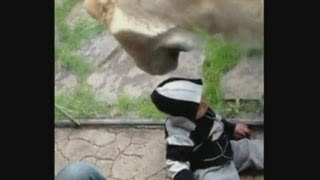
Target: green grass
x=80 y=104
x=125 y=102
x=72 y=62
x=142 y=106
x=146 y=109
x=220 y=56
x=255 y=52
x=71 y=39
x=232 y=108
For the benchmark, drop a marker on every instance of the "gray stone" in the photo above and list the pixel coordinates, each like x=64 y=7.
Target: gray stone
x=77 y=149
x=59 y=72
x=120 y=159
x=97 y=137
x=252 y=116
x=104 y=166
x=96 y=80
x=70 y=82
x=86 y=134
x=159 y=176
x=126 y=167
x=110 y=152
x=59 y=162
x=141 y=137
x=123 y=140
x=61 y=144
x=61 y=134
x=65 y=81
x=190 y=64
x=100 y=50
x=55 y=147
x=135 y=149
x=91 y=160
x=102 y=138
x=245 y=81
x=150 y=164
x=59 y=2
x=79 y=15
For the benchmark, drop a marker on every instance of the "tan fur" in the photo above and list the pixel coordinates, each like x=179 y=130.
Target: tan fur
x=153 y=22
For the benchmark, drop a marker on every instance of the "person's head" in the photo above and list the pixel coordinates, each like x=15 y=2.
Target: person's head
x=180 y=97
x=79 y=170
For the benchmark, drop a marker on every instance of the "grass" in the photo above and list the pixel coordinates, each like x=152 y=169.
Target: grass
x=220 y=56
x=142 y=106
x=80 y=104
x=125 y=102
x=71 y=39
x=74 y=63
x=146 y=109
x=232 y=108
x=255 y=52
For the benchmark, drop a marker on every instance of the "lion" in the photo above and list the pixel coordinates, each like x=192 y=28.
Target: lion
x=153 y=32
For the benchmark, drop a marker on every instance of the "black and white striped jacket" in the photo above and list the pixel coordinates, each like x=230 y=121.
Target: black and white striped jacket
x=197 y=144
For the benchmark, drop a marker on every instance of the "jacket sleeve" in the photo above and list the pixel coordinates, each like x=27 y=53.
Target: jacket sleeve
x=179 y=146
x=228 y=127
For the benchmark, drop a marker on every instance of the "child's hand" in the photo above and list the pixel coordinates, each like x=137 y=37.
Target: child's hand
x=242 y=131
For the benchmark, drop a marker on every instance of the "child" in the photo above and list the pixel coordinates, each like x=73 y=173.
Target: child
x=199 y=141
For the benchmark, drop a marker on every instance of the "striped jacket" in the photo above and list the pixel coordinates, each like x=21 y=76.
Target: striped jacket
x=198 y=144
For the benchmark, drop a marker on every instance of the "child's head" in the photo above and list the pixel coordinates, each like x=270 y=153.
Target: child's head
x=179 y=97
